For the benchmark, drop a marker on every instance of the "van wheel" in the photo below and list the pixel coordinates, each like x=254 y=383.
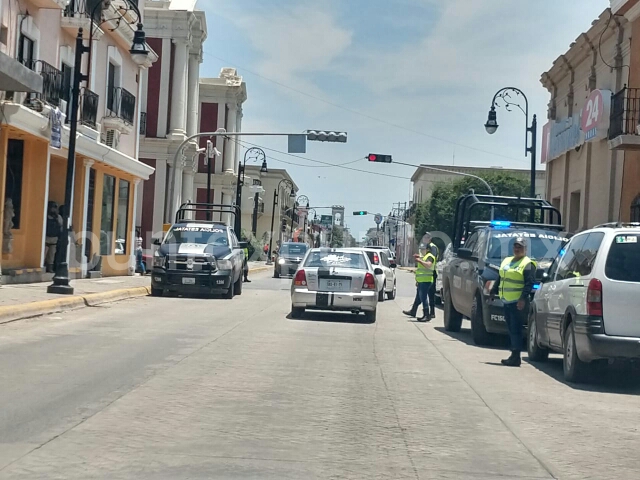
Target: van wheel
x=381 y=293
x=478 y=331
x=230 y=293
x=534 y=350
x=370 y=317
x=452 y=318
x=238 y=286
x=575 y=370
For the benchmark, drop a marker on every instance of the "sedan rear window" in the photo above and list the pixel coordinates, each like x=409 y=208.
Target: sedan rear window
x=623 y=261
x=374 y=258
x=336 y=259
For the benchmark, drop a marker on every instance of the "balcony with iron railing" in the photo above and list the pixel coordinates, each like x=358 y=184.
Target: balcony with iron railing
x=624 y=126
x=77 y=15
x=120 y=110
x=89 y=108
x=51 y=85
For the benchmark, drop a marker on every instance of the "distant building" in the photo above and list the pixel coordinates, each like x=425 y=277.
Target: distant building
x=424 y=180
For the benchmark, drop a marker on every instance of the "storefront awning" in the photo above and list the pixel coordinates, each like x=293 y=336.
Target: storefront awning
x=15 y=77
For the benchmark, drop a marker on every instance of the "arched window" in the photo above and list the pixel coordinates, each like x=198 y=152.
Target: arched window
x=635 y=209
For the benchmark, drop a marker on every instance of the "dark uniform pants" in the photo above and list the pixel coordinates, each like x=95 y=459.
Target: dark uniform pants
x=514 y=317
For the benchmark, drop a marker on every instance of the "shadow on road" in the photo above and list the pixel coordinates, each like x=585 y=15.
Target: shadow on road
x=499 y=342
x=329 y=317
x=621 y=378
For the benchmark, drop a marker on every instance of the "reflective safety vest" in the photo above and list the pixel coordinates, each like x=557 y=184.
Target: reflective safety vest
x=512 y=278
x=424 y=274
x=246 y=254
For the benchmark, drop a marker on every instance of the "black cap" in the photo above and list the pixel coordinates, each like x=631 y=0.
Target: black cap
x=520 y=241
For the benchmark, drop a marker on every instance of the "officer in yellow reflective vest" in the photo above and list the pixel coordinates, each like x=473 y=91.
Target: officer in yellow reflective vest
x=425 y=268
x=517 y=277
x=245 y=268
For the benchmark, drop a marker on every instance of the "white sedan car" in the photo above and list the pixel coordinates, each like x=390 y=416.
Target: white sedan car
x=336 y=279
x=386 y=280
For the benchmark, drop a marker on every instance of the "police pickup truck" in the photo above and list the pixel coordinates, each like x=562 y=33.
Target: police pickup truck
x=473 y=269
x=198 y=257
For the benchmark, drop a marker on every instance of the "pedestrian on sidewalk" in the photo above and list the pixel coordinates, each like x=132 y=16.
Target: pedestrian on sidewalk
x=52 y=234
x=246 y=266
x=265 y=249
x=514 y=286
x=425 y=266
x=140 y=268
x=428 y=246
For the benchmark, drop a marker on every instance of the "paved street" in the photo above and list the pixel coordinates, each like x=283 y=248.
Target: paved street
x=198 y=388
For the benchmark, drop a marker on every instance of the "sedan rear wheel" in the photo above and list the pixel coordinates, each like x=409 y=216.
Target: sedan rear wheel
x=370 y=317
x=297 y=312
x=381 y=293
x=392 y=294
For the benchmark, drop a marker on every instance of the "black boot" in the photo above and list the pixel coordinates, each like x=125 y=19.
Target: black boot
x=246 y=280
x=409 y=313
x=425 y=318
x=513 y=360
x=432 y=314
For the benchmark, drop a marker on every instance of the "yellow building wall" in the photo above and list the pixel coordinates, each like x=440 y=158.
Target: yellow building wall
x=57 y=178
x=27 y=240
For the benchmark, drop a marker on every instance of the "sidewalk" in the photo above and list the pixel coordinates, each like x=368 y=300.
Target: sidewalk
x=29 y=300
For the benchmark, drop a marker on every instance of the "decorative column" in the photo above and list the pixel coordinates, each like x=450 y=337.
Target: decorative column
x=132 y=235
x=188 y=179
x=85 y=213
x=192 y=94
x=179 y=89
x=230 y=150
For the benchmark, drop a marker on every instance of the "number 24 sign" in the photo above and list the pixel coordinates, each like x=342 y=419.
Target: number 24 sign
x=595 y=115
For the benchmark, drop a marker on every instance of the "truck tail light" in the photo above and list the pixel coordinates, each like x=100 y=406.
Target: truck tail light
x=300 y=279
x=594 y=298
x=369 y=282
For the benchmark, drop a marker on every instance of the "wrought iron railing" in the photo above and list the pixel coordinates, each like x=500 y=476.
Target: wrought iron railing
x=143 y=123
x=89 y=108
x=121 y=104
x=83 y=8
x=625 y=112
x=51 y=84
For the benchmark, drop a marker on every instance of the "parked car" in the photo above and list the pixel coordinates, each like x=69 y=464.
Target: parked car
x=288 y=258
x=387 y=279
x=442 y=262
x=335 y=279
x=588 y=303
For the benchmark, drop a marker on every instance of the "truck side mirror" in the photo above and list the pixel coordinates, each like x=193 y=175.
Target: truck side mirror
x=157 y=241
x=465 y=253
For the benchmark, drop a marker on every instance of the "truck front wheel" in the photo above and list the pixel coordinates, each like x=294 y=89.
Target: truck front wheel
x=452 y=318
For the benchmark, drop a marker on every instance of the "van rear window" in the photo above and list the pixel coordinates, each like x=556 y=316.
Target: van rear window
x=623 y=262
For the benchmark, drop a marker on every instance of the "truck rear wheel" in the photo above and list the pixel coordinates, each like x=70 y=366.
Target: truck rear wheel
x=452 y=318
x=478 y=331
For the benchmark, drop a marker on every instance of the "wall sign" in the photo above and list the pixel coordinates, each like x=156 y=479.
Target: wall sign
x=595 y=115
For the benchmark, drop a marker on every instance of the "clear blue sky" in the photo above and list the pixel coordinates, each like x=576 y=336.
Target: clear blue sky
x=411 y=78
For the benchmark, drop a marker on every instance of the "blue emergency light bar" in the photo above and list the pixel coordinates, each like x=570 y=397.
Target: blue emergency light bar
x=536 y=286
x=500 y=223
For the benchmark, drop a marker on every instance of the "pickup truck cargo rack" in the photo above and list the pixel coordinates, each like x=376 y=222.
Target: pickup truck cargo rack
x=464 y=223
x=208 y=208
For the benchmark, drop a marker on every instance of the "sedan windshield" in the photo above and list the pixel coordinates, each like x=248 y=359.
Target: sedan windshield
x=198 y=235
x=540 y=245
x=336 y=259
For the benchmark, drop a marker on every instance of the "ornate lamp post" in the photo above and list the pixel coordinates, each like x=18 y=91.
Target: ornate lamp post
x=276 y=195
x=492 y=124
x=139 y=54
x=302 y=200
x=253 y=154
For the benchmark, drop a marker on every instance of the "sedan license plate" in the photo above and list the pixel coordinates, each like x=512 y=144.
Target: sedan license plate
x=188 y=281
x=328 y=285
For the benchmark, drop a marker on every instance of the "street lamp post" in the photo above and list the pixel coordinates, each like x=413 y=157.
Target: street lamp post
x=254 y=153
x=276 y=194
x=299 y=201
x=492 y=125
x=139 y=55
x=312 y=223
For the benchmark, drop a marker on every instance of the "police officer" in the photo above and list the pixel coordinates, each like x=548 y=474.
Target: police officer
x=517 y=277
x=425 y=266
x=245 y=268
x=430 y=247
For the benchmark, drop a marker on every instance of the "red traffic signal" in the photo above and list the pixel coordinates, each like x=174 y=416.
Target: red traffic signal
x=376 y=157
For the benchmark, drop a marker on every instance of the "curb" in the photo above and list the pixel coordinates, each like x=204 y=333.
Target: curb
x=12 y=313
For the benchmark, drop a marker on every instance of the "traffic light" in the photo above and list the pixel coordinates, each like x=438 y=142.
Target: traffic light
x=376 y=157
x=326 y=136
x=283 y=227
x=361 y=212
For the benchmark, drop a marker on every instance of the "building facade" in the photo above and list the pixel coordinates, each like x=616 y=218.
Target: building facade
x=40 y=35
x=285 y=218
x=170 y=111
x=424 y=179
x=590 y=143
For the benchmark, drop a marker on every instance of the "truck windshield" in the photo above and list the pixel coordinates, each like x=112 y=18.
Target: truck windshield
x=198 y=235
x=540 y=244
